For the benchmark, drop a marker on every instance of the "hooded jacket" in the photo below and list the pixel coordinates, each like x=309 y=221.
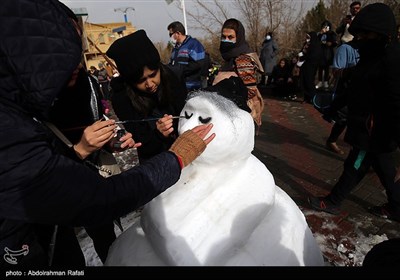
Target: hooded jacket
x=39 y=50
x=377 y=17
x=374 y=93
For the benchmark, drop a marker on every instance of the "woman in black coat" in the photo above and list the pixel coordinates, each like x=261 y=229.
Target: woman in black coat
x=75 y=112
x=145 y=89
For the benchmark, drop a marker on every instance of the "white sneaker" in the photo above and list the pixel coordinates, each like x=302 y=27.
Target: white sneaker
x=319 y=85
x=326 y=85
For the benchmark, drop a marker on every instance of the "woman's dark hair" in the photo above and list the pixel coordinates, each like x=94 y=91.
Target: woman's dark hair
x=144 y=102
x=232 y=24
x=284 y=60
x=268 y=33
x=326 y=23
x=152 y=65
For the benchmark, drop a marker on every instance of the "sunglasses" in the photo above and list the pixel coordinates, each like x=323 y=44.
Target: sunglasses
x=171 y=33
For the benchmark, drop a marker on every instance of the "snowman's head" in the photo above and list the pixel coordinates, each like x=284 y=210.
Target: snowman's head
x=234 y=127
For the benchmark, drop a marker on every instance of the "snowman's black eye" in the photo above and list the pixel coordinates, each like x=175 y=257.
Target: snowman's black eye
x=187 y=115
x=204 y=120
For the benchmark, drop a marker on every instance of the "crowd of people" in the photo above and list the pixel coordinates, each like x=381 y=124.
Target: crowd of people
x=49 y=187
x=371 y=97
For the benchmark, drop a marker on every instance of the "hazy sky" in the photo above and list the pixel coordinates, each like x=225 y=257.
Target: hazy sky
x=150 y=15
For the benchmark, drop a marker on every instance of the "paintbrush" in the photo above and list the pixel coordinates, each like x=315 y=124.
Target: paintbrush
x=147 y=120
x=122 y=122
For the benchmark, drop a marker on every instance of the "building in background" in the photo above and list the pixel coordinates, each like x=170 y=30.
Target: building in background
x=97 y=37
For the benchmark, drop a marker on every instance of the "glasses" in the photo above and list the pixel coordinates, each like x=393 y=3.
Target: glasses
x=171 y=33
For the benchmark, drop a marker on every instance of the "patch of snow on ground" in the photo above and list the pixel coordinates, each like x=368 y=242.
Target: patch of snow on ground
x=341 y=246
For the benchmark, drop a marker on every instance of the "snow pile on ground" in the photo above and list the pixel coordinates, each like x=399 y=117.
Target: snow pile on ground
x=343 y=242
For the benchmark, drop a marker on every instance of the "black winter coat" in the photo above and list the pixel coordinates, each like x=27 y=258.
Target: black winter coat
x=374 y=101
x=39 y=50
x=374 y=95
x=386 y=100
x=312 y=50
x=359 y=99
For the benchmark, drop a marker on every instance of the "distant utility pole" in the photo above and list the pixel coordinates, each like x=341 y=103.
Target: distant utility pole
x=184 y=12
x=124 y=11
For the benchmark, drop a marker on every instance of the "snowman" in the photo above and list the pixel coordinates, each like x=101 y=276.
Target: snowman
x=225 y=210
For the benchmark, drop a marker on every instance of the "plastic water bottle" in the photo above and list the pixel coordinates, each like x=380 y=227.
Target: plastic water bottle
x=126 y=157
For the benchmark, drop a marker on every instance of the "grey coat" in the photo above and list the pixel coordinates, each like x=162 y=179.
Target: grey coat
x=268 y=55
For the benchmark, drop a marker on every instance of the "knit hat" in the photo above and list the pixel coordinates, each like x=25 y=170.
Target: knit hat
x=132 y=53
x=376 y=17
x=233 y=89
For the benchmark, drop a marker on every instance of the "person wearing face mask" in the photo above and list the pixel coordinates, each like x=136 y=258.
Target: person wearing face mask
x=242 y=61
x=373 y=119
x=188 y=57
x=268 y=56
x=146 y=88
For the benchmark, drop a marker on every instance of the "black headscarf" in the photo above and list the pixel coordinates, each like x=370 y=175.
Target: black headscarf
x=241 y=45
x=132 y=53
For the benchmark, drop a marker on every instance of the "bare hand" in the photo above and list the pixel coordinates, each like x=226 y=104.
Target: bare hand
x=94 y=137
x=165 y=125
x=202 y=131
x=127 y=141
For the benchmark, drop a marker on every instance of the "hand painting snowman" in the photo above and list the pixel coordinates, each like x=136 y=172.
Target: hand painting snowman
x=225 y=210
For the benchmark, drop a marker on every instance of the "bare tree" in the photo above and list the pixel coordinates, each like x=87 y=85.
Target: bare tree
x=281 y=19
x=209 y=16
x=252 y=17
x=258 y=17
x=285 y=18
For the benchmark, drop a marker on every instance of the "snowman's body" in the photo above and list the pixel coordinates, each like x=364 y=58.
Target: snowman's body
x=224 y=210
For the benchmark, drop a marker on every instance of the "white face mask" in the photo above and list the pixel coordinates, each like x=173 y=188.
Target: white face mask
x=172 y=41
x=268 y=37
x=228 y=41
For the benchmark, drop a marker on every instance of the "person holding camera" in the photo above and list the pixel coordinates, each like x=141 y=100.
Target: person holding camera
x=342 y=29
